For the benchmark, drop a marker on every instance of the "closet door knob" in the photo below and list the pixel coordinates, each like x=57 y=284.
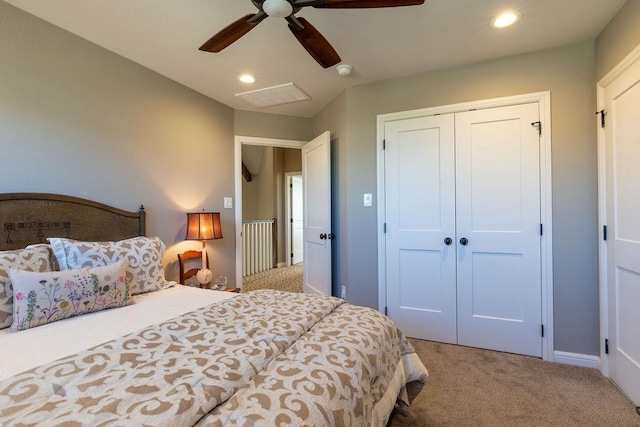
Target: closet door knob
x=448 y=241
x=464 y=241
x=323 y=236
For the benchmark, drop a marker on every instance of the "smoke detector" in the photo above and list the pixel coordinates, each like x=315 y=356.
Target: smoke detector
x=344 y=69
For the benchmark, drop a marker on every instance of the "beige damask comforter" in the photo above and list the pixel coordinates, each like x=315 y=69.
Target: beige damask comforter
x=263 y=358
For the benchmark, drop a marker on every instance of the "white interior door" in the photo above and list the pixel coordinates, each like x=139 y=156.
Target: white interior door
x=622 y=141
x=297 y=215
x=420 y=215
x=316 y=179
x=498 y=229
x=472 y=177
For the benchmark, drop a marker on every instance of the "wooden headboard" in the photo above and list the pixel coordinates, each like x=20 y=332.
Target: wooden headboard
x=28 y=218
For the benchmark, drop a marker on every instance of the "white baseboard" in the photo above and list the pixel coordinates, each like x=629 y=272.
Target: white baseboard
x=584 y=360
x=281 y=264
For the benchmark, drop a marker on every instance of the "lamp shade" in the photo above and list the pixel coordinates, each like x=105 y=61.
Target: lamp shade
x=203 y=226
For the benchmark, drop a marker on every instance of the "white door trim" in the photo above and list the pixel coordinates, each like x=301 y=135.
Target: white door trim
x=544 y=102
x=237 y=171
x=287 y=218
x=602 y=202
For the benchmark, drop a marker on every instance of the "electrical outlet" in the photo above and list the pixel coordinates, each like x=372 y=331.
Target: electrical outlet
x=343 y=294
x=228 y=203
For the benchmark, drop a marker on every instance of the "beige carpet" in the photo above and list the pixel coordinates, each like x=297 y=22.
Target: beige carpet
x=282 y=279
x=473 y=387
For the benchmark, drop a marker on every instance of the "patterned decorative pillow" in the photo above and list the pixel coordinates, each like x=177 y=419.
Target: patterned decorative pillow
x=40 y=298
x=33 y=258
x=144 y=254
x=52 y=258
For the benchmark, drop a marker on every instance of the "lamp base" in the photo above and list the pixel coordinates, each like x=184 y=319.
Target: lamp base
x=204 y=276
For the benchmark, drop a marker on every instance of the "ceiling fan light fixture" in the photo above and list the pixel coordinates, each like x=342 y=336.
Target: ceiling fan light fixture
x=505 y=19
x=278 y=8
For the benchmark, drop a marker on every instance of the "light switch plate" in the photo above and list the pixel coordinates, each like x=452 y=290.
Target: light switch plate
x=367 y=199
x=228 y=203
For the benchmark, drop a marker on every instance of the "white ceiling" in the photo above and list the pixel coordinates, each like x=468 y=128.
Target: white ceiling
x=380 y=44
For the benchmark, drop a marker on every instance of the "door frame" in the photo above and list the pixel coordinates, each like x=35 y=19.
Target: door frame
x=546 y=243
x=237 y=170
x=288 y=176
x=602 y=203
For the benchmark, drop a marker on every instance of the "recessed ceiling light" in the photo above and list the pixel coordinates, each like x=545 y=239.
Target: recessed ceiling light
x=247 y=78
x=505 y=19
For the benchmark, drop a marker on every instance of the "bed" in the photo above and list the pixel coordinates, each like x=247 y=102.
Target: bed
x=138 y=350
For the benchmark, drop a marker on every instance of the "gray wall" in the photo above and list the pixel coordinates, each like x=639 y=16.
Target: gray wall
x=292 y=159
x=569 y=74
x=77 y=119
x=618 y=39
x=258 y=196
x=248 y=123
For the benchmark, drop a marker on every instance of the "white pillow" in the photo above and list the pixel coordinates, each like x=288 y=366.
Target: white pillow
x=144 y=255
x=40 y=298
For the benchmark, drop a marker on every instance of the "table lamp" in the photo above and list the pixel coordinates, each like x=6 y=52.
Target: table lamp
x=204 y=226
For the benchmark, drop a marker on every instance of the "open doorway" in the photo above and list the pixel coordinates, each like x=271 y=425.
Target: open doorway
x=263 y=213
x=294 y=220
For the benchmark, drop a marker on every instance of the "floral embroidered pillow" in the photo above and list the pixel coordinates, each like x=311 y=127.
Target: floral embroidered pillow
x=40 y=298
x=144 y=255
x=33 y=258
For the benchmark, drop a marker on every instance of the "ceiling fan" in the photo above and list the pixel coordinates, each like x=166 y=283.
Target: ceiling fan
x=310 y=38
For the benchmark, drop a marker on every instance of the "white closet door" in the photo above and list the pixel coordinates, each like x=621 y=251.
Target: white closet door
x=622 y=141
x=498 y=213
x=420 y=215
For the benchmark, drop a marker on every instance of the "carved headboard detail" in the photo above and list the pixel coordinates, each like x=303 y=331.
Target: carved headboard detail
x=28 y=218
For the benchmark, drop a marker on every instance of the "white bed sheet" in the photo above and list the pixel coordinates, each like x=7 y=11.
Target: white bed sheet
x=20 y=351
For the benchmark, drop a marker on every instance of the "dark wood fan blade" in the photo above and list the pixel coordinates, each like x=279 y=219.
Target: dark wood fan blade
x=317 y=46
x=365 y=4
x=231 y=33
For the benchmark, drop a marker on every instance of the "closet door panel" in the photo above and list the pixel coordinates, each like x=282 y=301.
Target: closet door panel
x=498 y=217
x=420 y=212
x=622 y=156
